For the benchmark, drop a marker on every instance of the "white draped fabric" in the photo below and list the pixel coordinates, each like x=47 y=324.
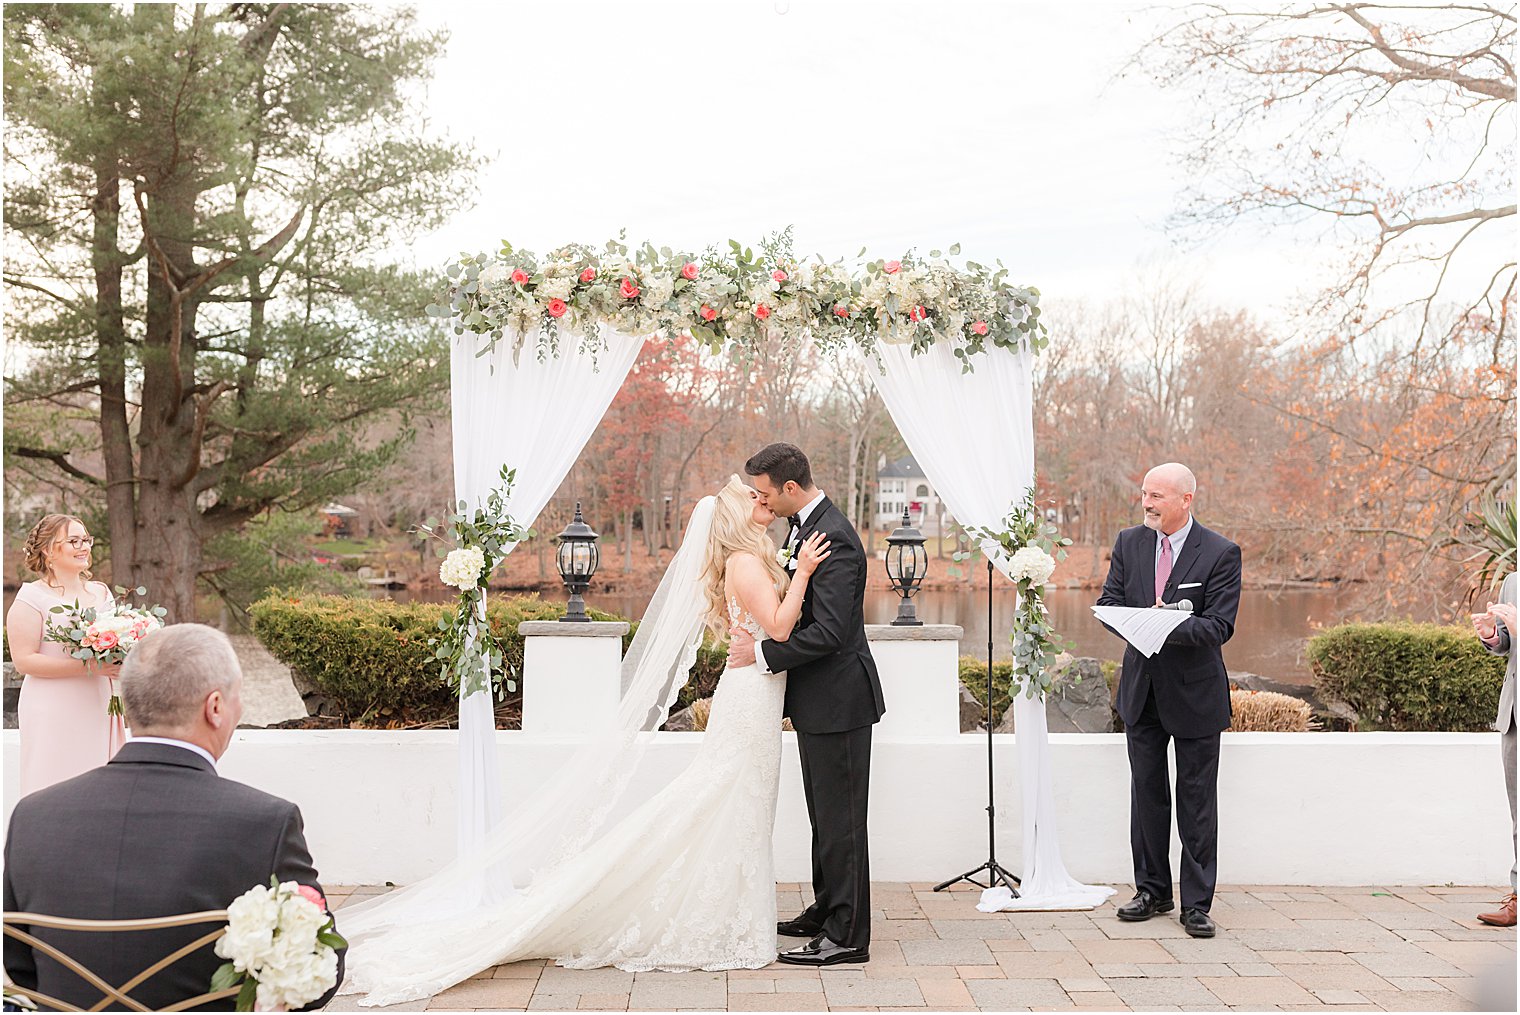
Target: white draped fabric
x=973 y=434
x=534 y=417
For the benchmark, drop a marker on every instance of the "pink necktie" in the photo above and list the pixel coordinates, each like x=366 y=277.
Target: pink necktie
x=1164 y=565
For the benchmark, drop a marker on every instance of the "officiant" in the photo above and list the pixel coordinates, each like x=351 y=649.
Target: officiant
x=1180 y=693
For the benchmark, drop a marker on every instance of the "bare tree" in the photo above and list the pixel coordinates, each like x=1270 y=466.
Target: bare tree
x=1312 y=107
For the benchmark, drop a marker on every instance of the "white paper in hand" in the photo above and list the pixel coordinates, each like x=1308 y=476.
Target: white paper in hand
x=1144 y=627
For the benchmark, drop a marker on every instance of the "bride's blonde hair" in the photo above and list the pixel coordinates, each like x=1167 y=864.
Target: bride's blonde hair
x=734 y=531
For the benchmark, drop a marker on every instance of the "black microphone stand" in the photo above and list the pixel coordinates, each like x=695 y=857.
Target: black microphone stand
x=996 y=874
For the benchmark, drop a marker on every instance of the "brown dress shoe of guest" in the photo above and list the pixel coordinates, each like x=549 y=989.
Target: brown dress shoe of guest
x=1505 y=917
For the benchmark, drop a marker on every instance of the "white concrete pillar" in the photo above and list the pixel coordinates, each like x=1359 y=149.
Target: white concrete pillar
x=572 y=675
x=920 y=678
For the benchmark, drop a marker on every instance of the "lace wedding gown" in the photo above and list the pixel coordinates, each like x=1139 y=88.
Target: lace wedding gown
x=684 y=882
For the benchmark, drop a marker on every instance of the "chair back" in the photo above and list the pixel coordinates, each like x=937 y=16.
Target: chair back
x=121 y=995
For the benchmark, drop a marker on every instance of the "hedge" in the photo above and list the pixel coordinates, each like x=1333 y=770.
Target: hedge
x=1409 y=676
x=370 y=657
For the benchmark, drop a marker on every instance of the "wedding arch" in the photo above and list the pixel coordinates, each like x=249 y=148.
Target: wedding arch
x=541 y=346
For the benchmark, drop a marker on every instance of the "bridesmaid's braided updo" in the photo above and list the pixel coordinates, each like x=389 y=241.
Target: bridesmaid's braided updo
x=41 y=538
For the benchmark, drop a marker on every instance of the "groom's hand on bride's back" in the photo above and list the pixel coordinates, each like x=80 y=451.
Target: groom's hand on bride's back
x=741 y=648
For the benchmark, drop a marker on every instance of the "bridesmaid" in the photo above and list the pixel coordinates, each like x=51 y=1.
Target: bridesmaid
x=65 y=730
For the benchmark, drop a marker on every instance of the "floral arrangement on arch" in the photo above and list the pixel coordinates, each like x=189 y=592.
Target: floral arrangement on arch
x=730 y=298
x=1032 y=546
x=469 y=654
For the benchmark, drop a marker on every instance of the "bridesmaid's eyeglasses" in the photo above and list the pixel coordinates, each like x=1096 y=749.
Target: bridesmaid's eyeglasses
x=77 y=543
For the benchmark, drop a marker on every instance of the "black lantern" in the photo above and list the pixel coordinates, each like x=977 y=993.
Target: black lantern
x=577 y=559
x=907 y=563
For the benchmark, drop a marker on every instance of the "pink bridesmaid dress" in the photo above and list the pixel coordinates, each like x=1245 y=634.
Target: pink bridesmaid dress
x=65 y=730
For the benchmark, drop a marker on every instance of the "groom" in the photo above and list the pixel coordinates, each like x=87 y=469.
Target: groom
x=833 y=697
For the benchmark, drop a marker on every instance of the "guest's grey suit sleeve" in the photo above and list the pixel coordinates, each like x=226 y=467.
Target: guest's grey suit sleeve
x=20 y=963
x=1506 y=718
x=292 y=862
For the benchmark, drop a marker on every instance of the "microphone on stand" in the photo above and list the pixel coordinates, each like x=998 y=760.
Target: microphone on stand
x=1185 y=605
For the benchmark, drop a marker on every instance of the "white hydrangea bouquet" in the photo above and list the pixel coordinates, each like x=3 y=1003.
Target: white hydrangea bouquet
x=105 y=635
x=1032 y=547
x=281 y=945
x=468 y=652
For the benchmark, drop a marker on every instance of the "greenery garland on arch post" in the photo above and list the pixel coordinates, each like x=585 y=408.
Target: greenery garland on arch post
x=469 y=654
x=729 y=298
x=1032 y=546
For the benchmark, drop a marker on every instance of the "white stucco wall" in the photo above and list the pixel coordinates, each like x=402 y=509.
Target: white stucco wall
x=1310 y=808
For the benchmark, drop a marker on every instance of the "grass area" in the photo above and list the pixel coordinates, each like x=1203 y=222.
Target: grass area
x=349 y=547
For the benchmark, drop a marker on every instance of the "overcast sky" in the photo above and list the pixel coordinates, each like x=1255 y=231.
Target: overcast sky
x=1002 y=126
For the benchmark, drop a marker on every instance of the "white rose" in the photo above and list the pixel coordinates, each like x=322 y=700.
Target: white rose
x=657 y=290
x=1032 y=563
x=557 y=288
x=494 y=274
x=462 y=568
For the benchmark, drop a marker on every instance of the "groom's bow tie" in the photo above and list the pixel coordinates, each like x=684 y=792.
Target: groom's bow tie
x=795 y=521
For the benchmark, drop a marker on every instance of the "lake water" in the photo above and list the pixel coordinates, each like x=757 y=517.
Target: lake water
x=1269 y=633
x=1270 y=630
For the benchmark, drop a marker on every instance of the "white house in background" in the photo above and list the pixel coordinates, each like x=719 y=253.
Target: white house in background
x=902 y=484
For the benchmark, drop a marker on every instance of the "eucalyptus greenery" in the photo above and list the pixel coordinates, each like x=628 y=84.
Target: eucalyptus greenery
x=469 y=654
x=729 y=298
x=1035 y=642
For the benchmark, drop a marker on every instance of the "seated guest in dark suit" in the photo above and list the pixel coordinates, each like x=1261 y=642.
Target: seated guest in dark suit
x=153 y=833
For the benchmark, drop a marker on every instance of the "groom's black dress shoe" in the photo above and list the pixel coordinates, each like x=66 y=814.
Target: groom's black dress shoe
x=822 y=952
x=798 y=927
x=1197 y=923
x=1142 y=907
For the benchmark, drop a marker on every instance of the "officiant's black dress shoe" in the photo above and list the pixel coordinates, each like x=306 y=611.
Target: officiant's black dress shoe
x=798 y=927
x=1197 y=923
x=1142 y=907
x=822 y=952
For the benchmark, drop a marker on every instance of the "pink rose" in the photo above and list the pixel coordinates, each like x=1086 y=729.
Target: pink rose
x=628 y=289
x=557 y=308
x=708 y=313
x=918 y=313
x=519 y=276
x=588 y=275
x=979 y=327
x=312 y=896
x=105 y=641
x=688 y=271
x=778 y=275
x=762 y=311
x=840 y=310
x=892 y=267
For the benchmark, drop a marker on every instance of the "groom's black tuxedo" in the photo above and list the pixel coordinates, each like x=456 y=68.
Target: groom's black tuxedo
x=1181 y=693
x=154 y=833
x=831 y=681
x=833 y=697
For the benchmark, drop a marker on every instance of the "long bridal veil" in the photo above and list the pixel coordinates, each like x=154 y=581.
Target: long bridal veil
x=571 y=808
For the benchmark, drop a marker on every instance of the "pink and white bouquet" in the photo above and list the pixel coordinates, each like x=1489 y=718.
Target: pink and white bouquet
x=104 y=635
x=281 y=945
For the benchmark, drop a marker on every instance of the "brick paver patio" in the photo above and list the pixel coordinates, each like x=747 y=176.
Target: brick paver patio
x=1280 y=948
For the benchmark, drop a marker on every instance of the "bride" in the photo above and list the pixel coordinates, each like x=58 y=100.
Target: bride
x=679 y=881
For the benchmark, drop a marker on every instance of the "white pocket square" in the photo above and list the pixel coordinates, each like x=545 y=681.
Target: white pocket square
x=1190 y=585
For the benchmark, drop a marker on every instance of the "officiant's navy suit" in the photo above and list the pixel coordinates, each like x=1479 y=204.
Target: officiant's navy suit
x=1181 y=693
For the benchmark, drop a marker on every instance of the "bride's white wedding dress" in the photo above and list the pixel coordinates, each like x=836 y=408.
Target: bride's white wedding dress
x=683 y=882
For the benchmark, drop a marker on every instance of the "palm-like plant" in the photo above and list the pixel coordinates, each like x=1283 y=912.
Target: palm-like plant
x=1492 y=534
